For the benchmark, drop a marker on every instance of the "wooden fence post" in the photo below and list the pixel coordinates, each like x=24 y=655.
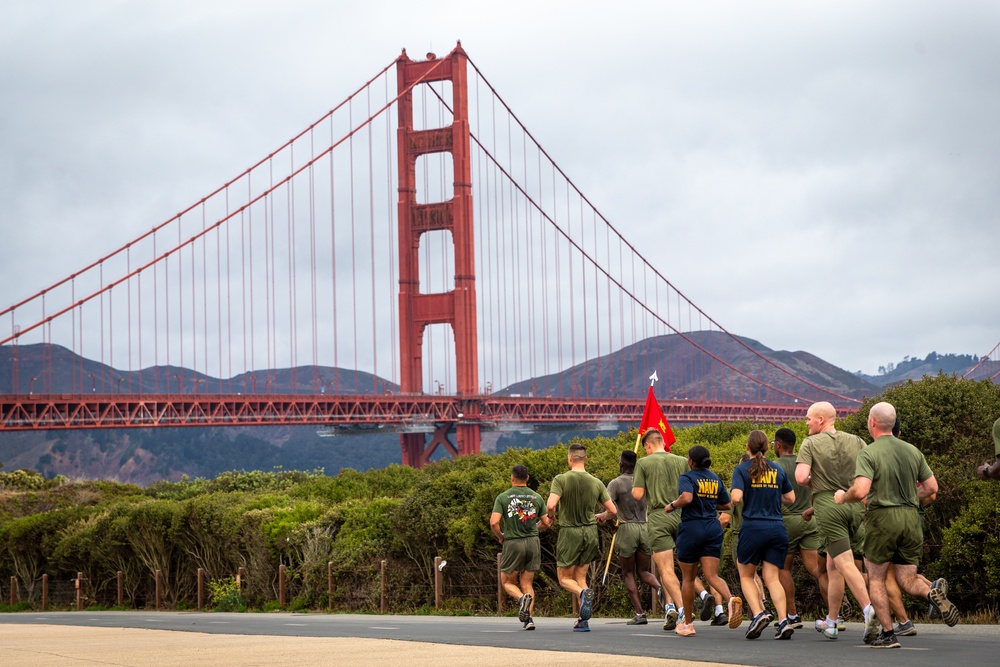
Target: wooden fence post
x=201 y=588
x=501 y=596
x=241 y=576
x=382 y=601
x=159 y=589
x=438 y=582
x=79 y=591
x=654 y=602
x=281 y=585
x=329 y=585
x=45 y=592
x=120 y=576
x=13 y=591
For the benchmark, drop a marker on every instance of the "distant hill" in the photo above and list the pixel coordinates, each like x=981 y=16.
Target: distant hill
x=146 y=455
x=914 y=368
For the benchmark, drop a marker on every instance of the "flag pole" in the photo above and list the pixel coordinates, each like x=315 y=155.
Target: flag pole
x=638 y=438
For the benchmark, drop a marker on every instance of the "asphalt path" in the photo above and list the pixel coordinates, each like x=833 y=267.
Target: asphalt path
x=933 y=646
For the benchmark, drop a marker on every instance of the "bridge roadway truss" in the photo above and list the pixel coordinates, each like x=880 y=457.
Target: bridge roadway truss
x=393 y=413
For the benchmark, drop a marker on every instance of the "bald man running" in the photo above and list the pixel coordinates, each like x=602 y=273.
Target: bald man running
x=887 y=474
x=827 y=462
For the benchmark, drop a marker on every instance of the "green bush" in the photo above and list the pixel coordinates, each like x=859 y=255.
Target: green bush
x=226 y=595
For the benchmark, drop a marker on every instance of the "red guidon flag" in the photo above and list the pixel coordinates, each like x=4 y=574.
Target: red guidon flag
x=652 y=417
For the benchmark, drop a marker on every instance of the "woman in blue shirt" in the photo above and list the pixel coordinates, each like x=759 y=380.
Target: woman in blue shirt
x=699 y=537
x=762 y=486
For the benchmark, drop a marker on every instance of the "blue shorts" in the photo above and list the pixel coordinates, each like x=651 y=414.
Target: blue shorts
x=698 y=539
x=762 y=540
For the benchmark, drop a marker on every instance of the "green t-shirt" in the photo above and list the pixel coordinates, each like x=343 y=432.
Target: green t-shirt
x=996 y=436
x=803 y=496
x=579 y=493
x=894 y=467
x=658 y=474
x=630 y=510
x=833 y=457
x=519 y=508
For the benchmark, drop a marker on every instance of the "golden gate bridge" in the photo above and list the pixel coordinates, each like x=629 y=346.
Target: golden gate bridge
x=415 y=261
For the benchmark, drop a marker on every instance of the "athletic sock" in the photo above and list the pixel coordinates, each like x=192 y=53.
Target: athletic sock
x=718 y=609
x=704 y=594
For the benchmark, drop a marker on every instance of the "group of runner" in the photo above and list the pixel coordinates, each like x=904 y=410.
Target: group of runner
x=670 y=507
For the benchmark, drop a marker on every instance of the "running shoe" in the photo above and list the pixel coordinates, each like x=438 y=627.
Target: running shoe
x=939 y=599
x=885 y=640
x=529 y=624
x=735 y=612
x=524 y=608
x=581 y=626
x=720 y=619
x=661 y=595
x=586 y=600
x=670 y=618
x=638 y=619
x=707 y=607
x=784 y=630
x=686 y=630
x=830 y=629
x=904 y=629
x=794 y=622
x=757 y=624
x=872 y=625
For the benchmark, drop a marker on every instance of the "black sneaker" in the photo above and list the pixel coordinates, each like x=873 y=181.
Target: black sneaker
x=939 y=600
x=529 y=624
x=720 y=619
x=707 y=607
x=795 y=622
x=904 y=629
x=586 y=600
x=524 y=608
x=885 y=640
x=785 y=630
x=757 y=624
x=638 y=619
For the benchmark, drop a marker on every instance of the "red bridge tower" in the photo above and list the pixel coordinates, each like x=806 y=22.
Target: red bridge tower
x=457 y=307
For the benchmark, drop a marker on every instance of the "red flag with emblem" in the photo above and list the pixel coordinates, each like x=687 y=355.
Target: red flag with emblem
x=652 y=417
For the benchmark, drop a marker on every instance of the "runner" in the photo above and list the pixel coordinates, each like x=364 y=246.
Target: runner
x=632 y=539
x=992 y=470
x=762 y=487
x=887 y=475
x=656 y=476
x=577 y=494
x=517 y=514
x=699 y=536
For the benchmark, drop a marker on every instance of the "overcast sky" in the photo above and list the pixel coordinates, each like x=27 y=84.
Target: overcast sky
x=821 y=176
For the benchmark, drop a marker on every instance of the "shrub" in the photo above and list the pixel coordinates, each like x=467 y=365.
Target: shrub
x=226 y=595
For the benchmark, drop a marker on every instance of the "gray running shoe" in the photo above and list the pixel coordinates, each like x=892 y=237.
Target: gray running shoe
x=586 y=600
x=524 y=608
x=638 y=619
x=872 y=625
x=885 y=640
x=904 y=629
x=670 y=618
x=720 y=619
x=939 y=599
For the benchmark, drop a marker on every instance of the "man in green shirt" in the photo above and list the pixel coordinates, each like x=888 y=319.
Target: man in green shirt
x=576 y=494
x=992 y=470
x=887 y=475
x=803 y=537
x=517 y=514
x=826 y=462
x=655 y=480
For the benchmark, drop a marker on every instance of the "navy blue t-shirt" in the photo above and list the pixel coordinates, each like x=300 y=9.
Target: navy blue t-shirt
x=708 y=491
x=761 y=498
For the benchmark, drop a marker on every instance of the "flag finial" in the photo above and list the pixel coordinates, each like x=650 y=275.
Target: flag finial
x=653 y=378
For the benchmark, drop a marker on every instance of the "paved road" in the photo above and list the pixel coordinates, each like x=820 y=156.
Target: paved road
x=934 y=646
